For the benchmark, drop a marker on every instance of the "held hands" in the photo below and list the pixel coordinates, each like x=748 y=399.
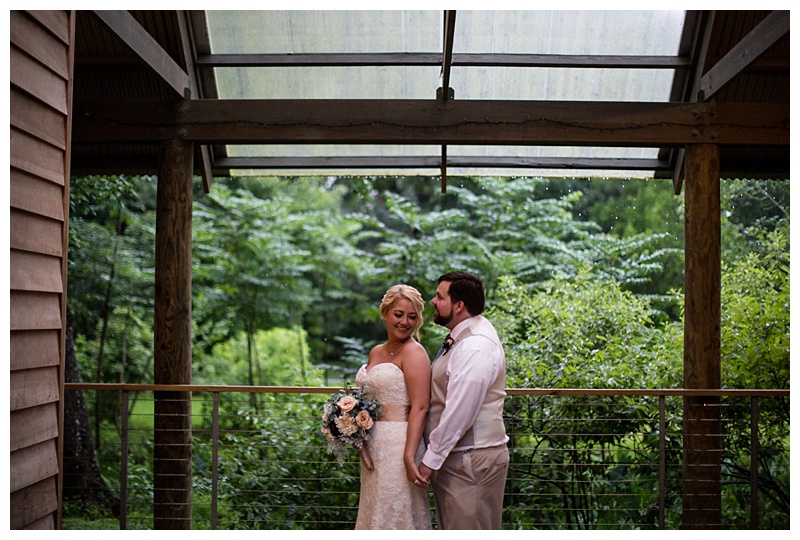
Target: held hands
x=414 y=475
x=425 y=473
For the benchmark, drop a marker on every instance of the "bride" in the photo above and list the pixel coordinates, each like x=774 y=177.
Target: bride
x=398 y=374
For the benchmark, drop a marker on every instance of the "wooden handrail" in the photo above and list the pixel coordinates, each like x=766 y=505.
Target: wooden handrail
x=720 y=392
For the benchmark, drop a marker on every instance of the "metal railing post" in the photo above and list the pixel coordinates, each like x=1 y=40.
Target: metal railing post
x=214 y=459
x=123 y=465
x=754 y=462
x=662 y=460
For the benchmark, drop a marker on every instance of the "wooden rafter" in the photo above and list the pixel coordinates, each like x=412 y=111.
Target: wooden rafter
x=124 y=26
x=747 y=51
x=204 y=157
x=447 y=51
x=697 y=54
x=445 y=93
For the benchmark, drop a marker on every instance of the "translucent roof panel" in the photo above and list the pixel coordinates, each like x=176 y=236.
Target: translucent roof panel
x=365 y=82
x=307 y=32
x=536 y=32
x=561 y=84
x=529 y=35
x=568 y=32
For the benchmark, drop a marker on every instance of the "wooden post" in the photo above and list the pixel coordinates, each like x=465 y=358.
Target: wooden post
x=172 y=462
x=702 y=500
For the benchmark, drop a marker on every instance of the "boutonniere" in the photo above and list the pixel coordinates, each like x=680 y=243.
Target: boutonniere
x=447 y=343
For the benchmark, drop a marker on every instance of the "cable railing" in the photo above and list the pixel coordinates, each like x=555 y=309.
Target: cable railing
x=580 y=459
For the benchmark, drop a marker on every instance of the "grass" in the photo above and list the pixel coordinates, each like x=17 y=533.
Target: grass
x=144 y=410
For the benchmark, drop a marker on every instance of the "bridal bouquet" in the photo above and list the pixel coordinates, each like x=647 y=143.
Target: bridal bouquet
x=348 y=418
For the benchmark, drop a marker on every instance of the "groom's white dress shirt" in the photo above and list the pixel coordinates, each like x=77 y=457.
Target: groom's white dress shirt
x=467 y=393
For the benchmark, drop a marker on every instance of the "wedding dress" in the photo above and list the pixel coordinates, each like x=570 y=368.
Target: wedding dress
x=388 y=500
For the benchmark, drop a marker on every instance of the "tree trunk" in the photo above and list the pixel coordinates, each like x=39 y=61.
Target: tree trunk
x=82 y=479
x=102 y=348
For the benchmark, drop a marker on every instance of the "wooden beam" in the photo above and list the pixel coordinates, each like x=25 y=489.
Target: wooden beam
x=187 y=40
x=172 y=364
x=481 y=122
x=703 y=260
x=753 y=45
x=134 y=164
x=443 y=169
x=206 y=79
x=447 y=50
x=702 y=438
x=434 y=162
x=432 y=59
x=124 y=26
x=173 y=265
x=201 y=40
x=445 y=92
x=468 y=122
x=701 y=38
x=570 y=61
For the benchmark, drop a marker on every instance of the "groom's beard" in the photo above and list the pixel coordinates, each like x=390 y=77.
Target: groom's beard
x=442 y=320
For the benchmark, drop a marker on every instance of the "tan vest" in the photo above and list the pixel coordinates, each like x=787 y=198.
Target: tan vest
x=488 y=429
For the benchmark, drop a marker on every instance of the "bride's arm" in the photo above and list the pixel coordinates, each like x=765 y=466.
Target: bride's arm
x=417 y=373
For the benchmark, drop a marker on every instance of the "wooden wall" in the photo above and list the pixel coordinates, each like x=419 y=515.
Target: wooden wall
x=41 y=90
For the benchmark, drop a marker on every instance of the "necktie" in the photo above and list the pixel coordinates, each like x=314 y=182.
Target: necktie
x=446 y=344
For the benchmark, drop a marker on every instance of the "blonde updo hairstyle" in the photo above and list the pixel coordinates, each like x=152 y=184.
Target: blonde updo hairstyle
x=409 y=293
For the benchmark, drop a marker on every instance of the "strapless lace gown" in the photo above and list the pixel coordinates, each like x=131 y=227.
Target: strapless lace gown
x=388 y=500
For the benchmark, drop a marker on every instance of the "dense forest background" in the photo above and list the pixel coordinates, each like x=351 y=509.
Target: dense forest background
x=301 y=263
x=584 y=281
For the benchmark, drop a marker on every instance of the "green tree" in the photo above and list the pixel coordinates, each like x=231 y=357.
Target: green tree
x=282 y=356
x=755 y=353
x=111 y=275
x=109 y=300
x=751 y=208
x=633 y=208
x=500 y=227
x=278 y=253
x=585 y=332
x=251 y=273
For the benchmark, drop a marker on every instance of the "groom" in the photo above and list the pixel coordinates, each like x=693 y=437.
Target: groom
x=467 y=458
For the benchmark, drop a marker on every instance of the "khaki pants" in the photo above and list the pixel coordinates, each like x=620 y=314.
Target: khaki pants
x=468 y=489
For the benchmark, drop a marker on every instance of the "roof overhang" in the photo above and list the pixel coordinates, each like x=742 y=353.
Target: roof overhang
x=730 y=87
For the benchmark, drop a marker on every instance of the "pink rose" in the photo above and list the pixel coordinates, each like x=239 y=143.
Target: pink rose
x=364 y=420
x=347 y=403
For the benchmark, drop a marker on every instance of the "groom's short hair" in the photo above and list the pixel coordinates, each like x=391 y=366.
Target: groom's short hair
x=468 y=288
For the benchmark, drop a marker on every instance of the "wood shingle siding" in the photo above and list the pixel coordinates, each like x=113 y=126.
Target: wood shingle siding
x=41 y=73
